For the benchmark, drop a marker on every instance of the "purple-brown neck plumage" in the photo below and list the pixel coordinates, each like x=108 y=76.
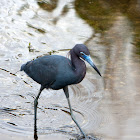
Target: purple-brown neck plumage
x=79 y=65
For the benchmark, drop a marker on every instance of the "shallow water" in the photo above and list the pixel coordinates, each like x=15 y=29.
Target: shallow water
x=106 y=107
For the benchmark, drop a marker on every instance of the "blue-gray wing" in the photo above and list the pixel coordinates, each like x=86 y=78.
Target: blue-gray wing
x=41 y=70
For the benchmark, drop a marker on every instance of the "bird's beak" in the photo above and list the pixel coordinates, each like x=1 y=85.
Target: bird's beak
x=89 y=60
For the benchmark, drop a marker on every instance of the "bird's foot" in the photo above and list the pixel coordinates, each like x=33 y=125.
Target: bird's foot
x=88 y=138
x=35 y=136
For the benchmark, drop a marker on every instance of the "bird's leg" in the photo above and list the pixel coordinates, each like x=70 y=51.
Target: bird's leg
x=71 y=112
x=35 y=113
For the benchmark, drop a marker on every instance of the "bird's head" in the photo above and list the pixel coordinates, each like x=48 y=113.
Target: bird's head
x=82 y=51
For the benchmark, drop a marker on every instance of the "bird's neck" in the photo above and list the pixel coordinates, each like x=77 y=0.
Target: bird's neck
x=79 y=66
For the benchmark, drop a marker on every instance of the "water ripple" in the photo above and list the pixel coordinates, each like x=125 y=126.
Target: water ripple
x=53 y=111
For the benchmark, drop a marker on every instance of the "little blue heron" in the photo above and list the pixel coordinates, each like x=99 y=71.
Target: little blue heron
x=57 y=72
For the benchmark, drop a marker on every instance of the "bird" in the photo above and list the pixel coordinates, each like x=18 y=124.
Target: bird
x=58 y=72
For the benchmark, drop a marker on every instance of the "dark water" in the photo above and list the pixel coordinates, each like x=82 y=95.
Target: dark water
x=107 y=107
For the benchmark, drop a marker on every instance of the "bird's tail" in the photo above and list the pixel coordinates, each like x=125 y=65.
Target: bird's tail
x=22 y=67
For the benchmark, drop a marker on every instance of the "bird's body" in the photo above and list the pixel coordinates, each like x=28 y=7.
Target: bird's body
x=57 y=72
x=46 y=71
